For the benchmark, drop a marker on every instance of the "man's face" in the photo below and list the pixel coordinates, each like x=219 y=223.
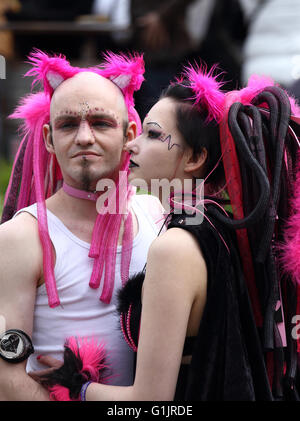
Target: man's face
x=87 y=117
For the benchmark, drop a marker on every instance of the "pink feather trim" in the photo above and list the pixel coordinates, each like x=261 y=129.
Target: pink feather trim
x=207 y=90
x=290 y=249
x=91 y=354
x=258 y=83
x=255 y=85
x=60 y=393
x=92 y=357
x=32 y=109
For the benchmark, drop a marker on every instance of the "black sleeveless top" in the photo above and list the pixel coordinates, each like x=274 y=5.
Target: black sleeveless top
x=227 y=359
x=130 y=309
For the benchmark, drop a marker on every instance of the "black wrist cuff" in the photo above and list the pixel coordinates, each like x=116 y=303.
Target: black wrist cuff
x=15 y=346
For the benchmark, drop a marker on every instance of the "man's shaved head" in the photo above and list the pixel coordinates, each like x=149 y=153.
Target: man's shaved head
x=75 y=91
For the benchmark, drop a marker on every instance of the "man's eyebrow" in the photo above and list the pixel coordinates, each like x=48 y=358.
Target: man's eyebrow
x=64 y=117
x=102 y=115
x=153 y=122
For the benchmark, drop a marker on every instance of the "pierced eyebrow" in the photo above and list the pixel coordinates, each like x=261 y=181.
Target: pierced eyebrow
x=153 y=122
x=101 y=116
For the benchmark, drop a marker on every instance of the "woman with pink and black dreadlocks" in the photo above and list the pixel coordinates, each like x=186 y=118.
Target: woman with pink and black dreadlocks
x=210 y=316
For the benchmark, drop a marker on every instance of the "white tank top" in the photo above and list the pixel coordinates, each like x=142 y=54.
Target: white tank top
x=81 y=313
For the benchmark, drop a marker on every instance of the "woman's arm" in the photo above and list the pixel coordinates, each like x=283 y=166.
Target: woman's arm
x=173 y=301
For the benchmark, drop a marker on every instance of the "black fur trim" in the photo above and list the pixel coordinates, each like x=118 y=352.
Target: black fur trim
x=131 y=293
x=68 y=375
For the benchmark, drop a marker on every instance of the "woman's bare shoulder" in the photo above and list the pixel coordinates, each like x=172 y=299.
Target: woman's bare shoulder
x=177 y=254
x=177 y=240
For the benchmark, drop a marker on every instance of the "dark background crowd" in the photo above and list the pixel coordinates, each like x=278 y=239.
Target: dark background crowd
x=242 y=36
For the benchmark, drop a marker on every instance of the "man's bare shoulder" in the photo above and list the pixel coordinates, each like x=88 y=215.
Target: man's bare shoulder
x=23 y=226
x=19 y=237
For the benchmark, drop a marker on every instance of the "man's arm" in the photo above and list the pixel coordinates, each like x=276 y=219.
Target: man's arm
x=20 y=270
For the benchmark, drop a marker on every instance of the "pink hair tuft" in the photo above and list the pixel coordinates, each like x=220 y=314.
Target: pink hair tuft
x=125 y=71
x=33 y=108
x=46 y=67
x=207 y=90
x=295 y=107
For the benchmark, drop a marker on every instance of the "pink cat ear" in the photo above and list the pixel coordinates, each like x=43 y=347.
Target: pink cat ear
x=126 y=71
x=54 y=79
x=122 y=81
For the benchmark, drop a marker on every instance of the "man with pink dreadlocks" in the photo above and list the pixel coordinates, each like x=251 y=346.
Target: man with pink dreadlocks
x=64 y=256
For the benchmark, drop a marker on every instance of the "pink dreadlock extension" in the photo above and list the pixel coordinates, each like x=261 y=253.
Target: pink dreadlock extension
x=233 y=179
x=41 y=175
x=234 y=188
x=256 y=84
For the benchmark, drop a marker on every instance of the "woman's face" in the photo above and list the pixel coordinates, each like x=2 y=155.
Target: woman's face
x=157 y=153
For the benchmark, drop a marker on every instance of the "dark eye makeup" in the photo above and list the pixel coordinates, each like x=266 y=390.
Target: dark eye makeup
x=153 y=134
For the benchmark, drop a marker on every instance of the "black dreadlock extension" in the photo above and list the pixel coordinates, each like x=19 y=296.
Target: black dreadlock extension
x=12 y=195
x=267 y=150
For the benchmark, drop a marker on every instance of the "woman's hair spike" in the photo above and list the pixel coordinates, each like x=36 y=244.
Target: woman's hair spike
x=206 y=87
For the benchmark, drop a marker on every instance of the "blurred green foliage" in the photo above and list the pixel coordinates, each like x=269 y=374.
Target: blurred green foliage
x=5 y=170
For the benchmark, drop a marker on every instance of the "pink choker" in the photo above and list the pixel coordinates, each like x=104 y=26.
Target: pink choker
x=80 y=194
